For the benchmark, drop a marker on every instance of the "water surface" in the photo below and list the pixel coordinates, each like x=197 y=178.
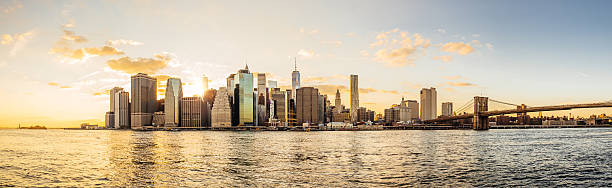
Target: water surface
x=523 y=157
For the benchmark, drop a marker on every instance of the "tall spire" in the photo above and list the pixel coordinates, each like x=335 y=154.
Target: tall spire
x=295 y=63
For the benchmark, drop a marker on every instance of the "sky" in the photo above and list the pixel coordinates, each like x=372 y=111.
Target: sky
x=58 y=59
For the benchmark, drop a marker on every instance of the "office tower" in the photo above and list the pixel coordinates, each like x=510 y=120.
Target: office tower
x=110 y=115
x=307 y=105
x=144 y=100
x=122 y=107
x=172 y=103
x=295 y=80
x=221 y=111
x=204 y=85
x=413 y=109
x=392 y=114
x=262 y=94
x=245 y=97
x=354 y=98
x=447 y=109
x=338 y=102
x=192 y=112
x=272 y=84
x=280 y=104
x=109 y=120
x=428 y=103
x=231 y=84
x=209 y=99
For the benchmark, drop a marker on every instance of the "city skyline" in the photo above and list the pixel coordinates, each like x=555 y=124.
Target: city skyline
x=63 y=69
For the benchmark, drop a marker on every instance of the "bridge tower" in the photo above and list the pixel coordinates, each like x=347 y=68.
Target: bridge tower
x=481 y=104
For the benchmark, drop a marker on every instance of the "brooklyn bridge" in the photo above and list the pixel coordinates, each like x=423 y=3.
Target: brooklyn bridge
x=481 y=112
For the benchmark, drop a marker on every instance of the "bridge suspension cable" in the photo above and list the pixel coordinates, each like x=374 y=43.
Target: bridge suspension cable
x=465 y=107
x=506 y=103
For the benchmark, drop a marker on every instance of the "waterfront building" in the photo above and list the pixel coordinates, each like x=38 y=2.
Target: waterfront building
x=245 y=97
x=158 y=119
x=343 y=116
x=143 y=100
x=354 y=98
x=192 y=112
x=408 y=110
x=231 y=84
x=262 y=93
x=209 y=99
x=428 y=103
x=121 y=111
x=109 y=120
x=447 y=109
x=172 y=103
x=307 y=105
x=110 y=115
x=280 y=107
x=221 y=115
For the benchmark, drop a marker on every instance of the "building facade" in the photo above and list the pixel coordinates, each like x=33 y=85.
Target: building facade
x=295 y=80
x=221 y=115
x=245 y=98
x=143 y=100
x=428 y=103
x=354 y=98
x=172 y=103
x=192 y=112
x=121 y=111
x=307 y=105
x=447 y=109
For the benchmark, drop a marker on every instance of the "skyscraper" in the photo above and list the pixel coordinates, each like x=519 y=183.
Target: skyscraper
x=110 y=115
x=221 y=111
x=204 y=85
x=354 y=98
x=172 y=103
x=307 y=105
x=144 y=100
x=280 y=104
x=262 y=95
x=192 y=112
x=245 y=97
x=231 y=83
x=338 y=103
x=295 y=80
x=272 y=84
x=121 y=105
x=428 y=103
x=447 y=109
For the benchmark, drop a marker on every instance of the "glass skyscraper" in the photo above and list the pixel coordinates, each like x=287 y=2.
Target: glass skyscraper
x=174 y=94
x=245 y=97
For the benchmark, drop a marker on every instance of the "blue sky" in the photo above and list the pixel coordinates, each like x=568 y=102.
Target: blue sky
x=532 y=52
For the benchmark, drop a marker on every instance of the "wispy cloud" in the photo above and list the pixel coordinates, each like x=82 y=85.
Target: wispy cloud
x=336 y=43
x=11 y=8
x=460 y=84
x=140 y=65
x=398 y=48
x=457 y=47
x=306 y=53
x=123 y=42
x=18 y=41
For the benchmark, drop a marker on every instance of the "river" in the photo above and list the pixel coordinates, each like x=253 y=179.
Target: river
x=517 y=157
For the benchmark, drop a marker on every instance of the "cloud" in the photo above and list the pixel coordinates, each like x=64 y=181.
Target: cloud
x=460 y=84
x=18 y=40
x=123 y=42
x=336 y=43
x=443 y=58
x=351 y=34
x=475 y=35
x=452 y=77
x=397 y=48
x=457 y=47
x=11 y=8
x=440 y=30
x=71 y=36
x=306 y=53
x=476 y=43
x=139 y=65
x=55 y=84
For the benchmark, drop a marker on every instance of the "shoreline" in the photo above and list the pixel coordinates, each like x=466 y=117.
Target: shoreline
x=378 y=128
